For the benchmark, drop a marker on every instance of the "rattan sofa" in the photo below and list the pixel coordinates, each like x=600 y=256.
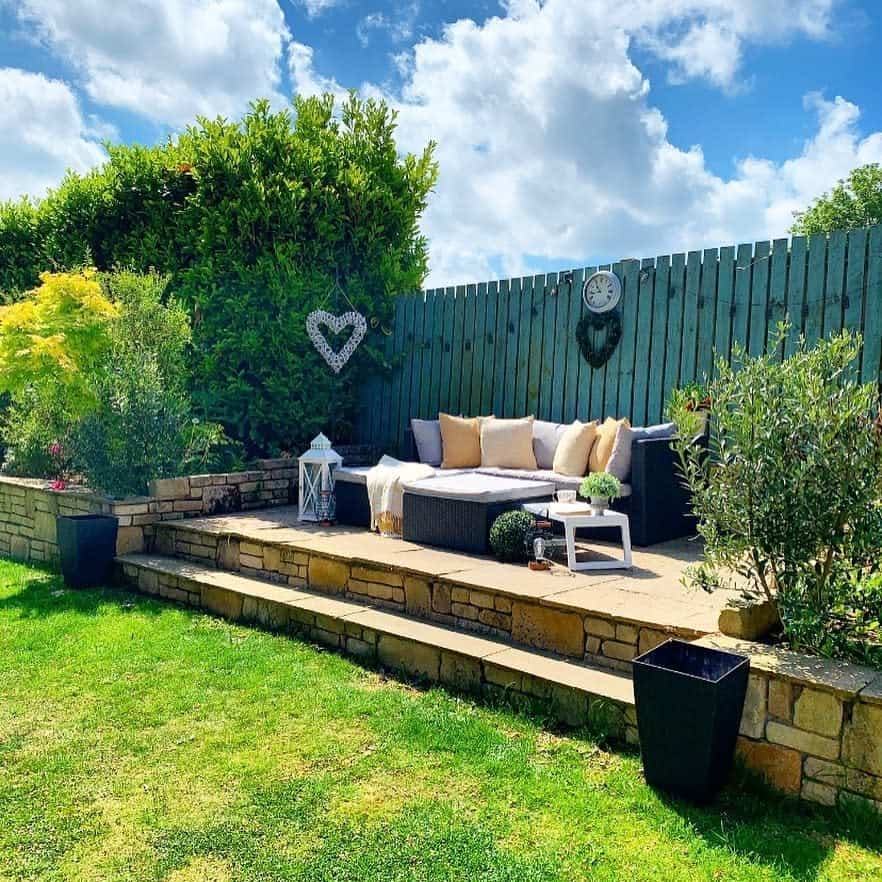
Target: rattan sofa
x=655 y=500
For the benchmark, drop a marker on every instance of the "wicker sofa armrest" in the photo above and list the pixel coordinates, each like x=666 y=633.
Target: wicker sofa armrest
x=659 y=508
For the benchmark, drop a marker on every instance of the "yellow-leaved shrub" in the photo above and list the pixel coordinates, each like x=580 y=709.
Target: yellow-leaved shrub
x=56 y=334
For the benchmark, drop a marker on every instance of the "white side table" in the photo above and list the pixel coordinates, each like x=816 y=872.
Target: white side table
x=575 y=515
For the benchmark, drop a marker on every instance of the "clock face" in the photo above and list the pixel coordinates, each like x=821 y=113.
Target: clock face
x=602 y=291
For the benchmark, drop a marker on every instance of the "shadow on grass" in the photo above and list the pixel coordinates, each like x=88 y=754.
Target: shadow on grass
x=780 y=831
x=41 y=593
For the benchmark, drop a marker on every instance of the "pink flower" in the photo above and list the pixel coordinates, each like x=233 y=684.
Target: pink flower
x=59 y=484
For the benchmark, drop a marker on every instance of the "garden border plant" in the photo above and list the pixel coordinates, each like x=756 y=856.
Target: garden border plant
x=787 y=493
x=95 y=368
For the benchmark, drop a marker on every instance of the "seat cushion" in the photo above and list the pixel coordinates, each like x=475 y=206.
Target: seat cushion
x=508 y=443
x=561 y=482
x=476 y=487
x=358 y=474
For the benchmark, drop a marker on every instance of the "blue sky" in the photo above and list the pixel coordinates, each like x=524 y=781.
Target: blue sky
x=569 y=131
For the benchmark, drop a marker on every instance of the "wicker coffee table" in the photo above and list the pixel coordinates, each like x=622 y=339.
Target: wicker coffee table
x=456 y=511
x=576 y=515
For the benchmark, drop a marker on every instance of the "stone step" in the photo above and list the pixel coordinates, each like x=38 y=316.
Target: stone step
x=575 y=692
x=606 y=618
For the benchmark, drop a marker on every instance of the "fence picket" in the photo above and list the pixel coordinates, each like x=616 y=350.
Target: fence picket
x=759 y=298
x=725 y=300
x=814 y=295
x=834 y=289
x=777 y=288
x=641 y=367
x=796 y=285
x=575 y=377
x=467 y=361
x=549 y=354
x=689 y=351
x=523 y=328
x=656 y=398
x=870 y=364
x=707 y=313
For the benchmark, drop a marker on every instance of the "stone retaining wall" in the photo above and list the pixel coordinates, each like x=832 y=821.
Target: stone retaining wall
x=610 y=641
x=812 y=727
x=28 y=507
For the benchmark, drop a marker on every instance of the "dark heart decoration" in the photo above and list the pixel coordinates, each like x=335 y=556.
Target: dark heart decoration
x=596 y=347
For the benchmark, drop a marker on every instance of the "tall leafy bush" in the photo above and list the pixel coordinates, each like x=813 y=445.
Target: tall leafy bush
x=95 y=368
x=254 y=221
x=788 y=494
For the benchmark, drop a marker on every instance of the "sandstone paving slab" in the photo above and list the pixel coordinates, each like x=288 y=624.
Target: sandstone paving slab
x=327 y=606
x=843 y=678
x=522 y=582
x=595 y=681
x=872 y=692
x=216 y=578
x=422 y=632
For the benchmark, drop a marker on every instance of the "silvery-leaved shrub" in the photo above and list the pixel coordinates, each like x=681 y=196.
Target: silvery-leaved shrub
x=787 y=492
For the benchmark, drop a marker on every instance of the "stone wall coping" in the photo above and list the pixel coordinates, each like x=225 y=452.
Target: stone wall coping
x=845 y=679
x=283 y=462
x=43 y=486
x=84 y=493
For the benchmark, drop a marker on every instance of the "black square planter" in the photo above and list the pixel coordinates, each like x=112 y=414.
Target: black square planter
x=87 y=547
x=689 y=704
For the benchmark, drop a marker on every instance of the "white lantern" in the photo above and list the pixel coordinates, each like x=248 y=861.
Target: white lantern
x=316 y=485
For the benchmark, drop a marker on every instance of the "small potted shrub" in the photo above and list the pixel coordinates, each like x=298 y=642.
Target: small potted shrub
x=509 y=536
x=599 y=488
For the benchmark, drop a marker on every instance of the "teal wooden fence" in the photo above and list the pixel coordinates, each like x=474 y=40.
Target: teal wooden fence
x=508 y=347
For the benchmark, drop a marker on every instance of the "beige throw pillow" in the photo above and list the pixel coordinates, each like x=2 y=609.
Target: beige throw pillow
x=606 y=441
x=508 y=444
x=460 y=441
x=571 y=456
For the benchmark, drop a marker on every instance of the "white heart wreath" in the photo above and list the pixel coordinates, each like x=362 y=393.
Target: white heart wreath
x=336 y=360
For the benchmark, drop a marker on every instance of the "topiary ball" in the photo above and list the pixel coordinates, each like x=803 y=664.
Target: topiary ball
x=508 y=536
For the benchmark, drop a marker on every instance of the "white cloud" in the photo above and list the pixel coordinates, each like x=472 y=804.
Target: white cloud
x=167 y=60
x=304 y=78
x=399 y=26
x=42 y=133
x=317 y=7
x=550 y=148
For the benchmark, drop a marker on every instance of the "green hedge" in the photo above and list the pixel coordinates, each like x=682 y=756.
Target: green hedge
x=254 y=221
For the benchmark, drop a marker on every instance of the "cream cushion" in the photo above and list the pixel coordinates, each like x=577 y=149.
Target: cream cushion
x=606 y=441
x=460 y=441
x=508 y=444
x=574 y=449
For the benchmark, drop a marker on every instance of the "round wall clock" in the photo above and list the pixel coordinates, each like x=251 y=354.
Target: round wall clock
x=602 y=291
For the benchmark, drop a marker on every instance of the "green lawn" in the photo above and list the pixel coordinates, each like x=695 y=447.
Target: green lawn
x=143 y=741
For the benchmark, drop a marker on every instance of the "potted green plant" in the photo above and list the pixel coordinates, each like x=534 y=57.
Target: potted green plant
x=599 y=488
x=509 y=536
